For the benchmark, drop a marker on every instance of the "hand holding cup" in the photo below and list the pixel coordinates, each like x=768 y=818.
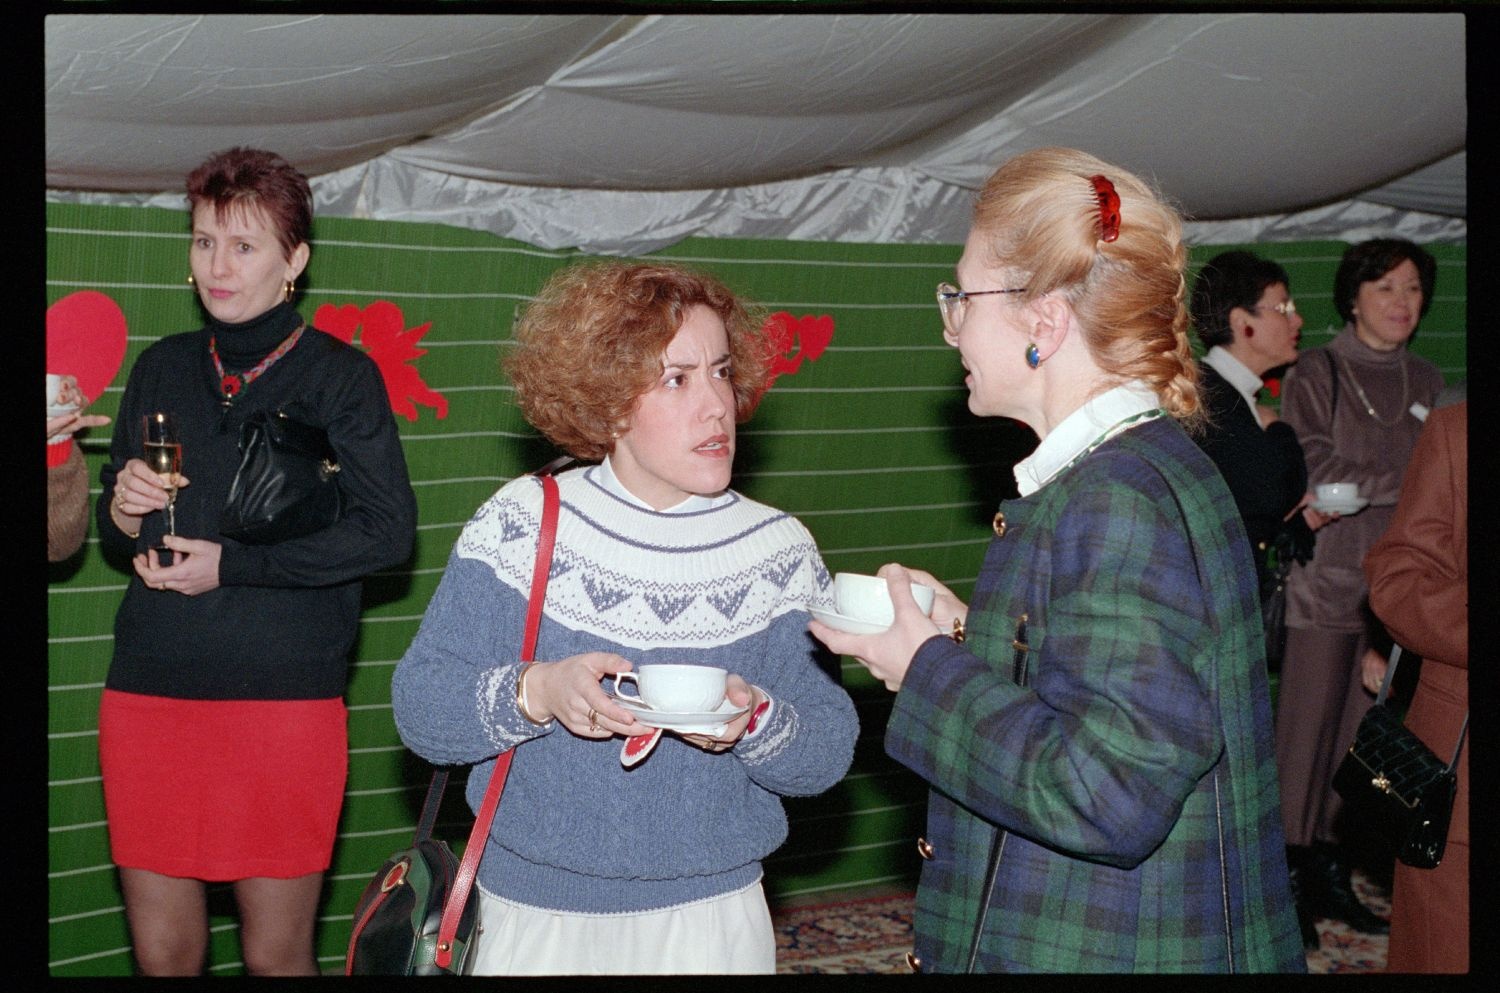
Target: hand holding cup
x=1337 y=492
x=888 y=654
x=65 y=403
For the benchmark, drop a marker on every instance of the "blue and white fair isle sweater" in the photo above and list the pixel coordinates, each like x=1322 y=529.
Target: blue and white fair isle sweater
x=726 y=586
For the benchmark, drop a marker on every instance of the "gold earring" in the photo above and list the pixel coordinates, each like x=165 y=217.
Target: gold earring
x=192 y=282
x=289 y=288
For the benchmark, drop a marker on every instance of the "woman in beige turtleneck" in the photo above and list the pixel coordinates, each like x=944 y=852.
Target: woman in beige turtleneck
x=1357 y=404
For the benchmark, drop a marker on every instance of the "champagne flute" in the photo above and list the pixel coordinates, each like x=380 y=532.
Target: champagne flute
x=163 y=449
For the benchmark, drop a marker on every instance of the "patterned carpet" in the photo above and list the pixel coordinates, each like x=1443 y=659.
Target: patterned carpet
x=873 y=936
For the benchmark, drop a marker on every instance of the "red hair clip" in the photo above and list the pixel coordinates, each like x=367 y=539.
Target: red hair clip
x=1109 y=208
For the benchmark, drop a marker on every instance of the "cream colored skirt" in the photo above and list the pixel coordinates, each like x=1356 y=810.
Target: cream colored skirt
x=720 y=935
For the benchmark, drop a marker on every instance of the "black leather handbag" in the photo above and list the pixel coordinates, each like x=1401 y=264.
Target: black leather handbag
x=398 y=917
x=287 y=482
x=1396 y=784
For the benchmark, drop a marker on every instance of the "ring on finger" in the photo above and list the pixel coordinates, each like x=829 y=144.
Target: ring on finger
x=593 y=720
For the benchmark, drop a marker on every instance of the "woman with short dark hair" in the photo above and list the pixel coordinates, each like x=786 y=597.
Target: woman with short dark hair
x=222 y=727
x=1243 y=311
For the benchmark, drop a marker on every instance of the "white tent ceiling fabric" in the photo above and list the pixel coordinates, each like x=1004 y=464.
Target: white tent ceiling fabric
x=624 y=134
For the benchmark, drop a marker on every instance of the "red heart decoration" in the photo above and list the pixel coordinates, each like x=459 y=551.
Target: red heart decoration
x=815 y=333
x=86 y=339
x=341 y=322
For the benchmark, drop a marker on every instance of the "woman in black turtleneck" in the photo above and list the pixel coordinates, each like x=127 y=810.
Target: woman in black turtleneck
x=222 y=730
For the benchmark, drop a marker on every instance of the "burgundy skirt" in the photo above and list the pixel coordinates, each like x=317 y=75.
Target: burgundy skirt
x=222 y=789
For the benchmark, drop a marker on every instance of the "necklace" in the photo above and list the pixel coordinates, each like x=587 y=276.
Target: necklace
x=230 y=384
x=1108 y=433
x=1370 y=407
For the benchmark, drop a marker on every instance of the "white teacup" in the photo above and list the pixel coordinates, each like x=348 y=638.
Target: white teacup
x=675 y=689
x=1337 y=492
x=868 y=598
x=54 y=388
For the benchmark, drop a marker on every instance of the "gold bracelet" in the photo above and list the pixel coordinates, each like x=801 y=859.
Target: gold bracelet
x=115 y=505
x=521 y=694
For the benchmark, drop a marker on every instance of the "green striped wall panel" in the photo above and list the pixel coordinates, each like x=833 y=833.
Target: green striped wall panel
x=870 y=445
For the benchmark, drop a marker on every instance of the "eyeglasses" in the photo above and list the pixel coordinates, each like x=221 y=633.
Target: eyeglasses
x=953 y=302
x=1287 y=309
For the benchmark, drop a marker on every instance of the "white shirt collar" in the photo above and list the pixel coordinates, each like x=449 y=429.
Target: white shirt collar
x=607 y=479
x=1235 y=373
x=1099 y=418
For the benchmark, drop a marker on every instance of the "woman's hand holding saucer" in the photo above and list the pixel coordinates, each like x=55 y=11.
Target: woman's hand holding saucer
x=1315 y=518
x=741 y=694
x=68 y=423
x=569 y=691
x=888 y=655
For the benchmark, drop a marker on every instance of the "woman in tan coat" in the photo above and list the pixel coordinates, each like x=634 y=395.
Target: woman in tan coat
x=1419 y=588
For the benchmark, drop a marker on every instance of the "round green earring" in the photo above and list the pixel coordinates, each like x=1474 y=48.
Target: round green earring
x=1033 y=357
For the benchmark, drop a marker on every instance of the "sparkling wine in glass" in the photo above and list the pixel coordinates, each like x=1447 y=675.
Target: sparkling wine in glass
x=163 y=450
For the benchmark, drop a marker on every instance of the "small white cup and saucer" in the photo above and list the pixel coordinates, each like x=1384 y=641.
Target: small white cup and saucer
x=687 y=699
x=863 y=604
x=1338 y=498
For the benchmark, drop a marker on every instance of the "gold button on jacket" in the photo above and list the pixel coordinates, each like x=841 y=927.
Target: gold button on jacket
x=924 y=849
x=913 y=963
x=999 y=524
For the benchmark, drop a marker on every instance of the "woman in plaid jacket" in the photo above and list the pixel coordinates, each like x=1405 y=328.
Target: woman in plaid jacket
x=1095 y=726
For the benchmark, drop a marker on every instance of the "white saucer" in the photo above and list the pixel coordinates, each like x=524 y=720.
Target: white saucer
x=59 y=409
x=1344 y=507
x=704 y=722
x=849 y=625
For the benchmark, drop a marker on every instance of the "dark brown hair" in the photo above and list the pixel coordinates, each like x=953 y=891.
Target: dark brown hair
x=1226 y=281
x=250 y=177
x=1370 y=260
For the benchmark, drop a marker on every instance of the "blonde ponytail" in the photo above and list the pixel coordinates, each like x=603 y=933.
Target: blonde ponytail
x=1046 y=221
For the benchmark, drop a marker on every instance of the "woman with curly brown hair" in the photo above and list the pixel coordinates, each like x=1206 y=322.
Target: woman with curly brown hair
x=1095 y=725
x=591 y=867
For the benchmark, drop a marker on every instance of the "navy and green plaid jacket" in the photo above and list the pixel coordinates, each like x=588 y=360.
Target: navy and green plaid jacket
x=1130 y=782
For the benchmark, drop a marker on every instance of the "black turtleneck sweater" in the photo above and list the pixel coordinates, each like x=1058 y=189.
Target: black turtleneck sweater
x=284 y=618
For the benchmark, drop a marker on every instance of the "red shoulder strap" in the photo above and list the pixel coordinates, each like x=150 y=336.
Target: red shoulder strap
x=464 y=881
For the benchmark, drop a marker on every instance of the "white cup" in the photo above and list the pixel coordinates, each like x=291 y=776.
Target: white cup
x=868 y=598
x=675 y=689
x=1337 y=492
x=54 y=387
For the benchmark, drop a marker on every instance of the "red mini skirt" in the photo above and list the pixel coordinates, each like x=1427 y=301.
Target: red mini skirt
x=222 y=789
